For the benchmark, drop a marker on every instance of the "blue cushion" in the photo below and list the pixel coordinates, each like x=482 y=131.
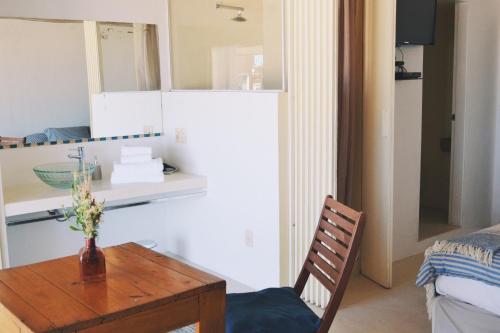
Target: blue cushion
x=275 y=310
x=67 y=133
x=36 y=138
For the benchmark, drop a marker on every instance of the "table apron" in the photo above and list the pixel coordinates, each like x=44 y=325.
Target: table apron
x=161 y=319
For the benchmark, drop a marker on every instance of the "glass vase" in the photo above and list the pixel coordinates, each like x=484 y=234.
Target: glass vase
x=92 y=262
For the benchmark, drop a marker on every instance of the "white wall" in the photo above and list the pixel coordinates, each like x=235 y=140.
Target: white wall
x=233 y=139
x=35 y=242
x=43 y=80
x=481 y=169
x=407 y=155
x=126 y=113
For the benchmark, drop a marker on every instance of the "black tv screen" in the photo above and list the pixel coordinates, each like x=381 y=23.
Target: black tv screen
x=416 y=22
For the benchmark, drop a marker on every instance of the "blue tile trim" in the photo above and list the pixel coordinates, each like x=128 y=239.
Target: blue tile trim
x=66 y=142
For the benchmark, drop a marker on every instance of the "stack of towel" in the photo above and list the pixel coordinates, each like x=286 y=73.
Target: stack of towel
x=137 y=166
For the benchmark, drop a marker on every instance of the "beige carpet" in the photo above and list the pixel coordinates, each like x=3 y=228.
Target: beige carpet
x=368 y=307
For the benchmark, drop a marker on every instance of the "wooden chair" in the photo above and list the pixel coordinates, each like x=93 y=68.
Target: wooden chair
x=340 y=229
x=331 y=259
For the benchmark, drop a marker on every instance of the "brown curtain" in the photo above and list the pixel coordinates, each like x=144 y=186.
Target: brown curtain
x=350 y=99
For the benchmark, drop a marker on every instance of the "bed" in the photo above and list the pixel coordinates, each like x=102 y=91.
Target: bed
x=462 y=280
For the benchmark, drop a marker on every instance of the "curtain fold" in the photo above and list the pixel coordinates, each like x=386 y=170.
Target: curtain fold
x=147 y=62
x=350 y=99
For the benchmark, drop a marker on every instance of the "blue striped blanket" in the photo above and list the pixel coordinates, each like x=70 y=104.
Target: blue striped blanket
x=475 y=256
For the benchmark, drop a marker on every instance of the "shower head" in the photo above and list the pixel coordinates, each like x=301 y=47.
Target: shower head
x=237 y=18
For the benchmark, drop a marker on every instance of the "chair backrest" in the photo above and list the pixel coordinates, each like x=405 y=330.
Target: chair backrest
x=332 y=254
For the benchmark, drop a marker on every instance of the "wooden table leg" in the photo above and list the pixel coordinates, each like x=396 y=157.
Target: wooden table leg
x=212 y=312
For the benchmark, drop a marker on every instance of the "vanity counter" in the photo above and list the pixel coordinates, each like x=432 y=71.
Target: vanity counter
x=39 y=197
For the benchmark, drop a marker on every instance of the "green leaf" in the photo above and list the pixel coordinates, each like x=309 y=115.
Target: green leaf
x=72 y=227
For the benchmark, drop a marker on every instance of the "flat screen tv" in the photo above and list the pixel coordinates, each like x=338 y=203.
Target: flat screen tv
x=415 y=22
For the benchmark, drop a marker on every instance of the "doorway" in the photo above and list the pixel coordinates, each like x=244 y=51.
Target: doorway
x=437 y=123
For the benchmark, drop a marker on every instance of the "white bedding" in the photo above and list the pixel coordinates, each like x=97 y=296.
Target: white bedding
x=452 y=316
x=477 y=293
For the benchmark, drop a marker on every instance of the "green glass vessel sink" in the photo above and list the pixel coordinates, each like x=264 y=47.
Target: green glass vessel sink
x=60 y=175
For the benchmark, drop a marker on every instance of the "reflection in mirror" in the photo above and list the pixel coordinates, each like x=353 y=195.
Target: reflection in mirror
x=52 y=71
x=232 y=45
x=129 y=55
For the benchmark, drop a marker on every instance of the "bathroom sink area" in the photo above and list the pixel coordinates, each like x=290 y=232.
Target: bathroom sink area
x=60 y=175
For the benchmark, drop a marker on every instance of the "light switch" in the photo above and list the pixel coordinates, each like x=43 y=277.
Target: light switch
x=180 y=135
x=249 y=238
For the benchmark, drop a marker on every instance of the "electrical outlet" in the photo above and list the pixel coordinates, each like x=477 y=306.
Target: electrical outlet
x=180 y=135
x=249 y=238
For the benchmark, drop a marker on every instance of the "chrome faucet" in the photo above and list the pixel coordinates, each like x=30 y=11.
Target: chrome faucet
x=80 y=157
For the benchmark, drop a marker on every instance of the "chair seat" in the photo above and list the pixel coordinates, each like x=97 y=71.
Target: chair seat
x=276 y=310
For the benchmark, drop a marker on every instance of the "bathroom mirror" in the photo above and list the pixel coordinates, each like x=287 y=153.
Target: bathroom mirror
x=227 y=44
x=67 y=81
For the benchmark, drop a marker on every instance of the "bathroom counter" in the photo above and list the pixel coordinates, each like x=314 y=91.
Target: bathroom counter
x=39 y=197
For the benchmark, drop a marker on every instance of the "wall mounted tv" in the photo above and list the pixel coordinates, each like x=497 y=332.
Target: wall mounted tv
x=416 y=22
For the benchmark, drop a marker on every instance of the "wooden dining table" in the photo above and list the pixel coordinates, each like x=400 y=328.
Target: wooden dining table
x=144 y=292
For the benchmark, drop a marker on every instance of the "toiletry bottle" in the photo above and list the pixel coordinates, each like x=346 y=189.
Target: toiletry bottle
x=97 y=175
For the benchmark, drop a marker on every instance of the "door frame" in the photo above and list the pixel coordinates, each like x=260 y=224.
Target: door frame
x=459 y=105
x=378 y=142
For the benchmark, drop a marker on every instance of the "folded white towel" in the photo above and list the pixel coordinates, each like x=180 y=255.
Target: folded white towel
x=131 y=159
x=128 y=151
x=151 y=167
x=137 y=178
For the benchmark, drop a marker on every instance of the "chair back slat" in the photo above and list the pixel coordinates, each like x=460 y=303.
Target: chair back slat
x=332 y=257
x=338 y=234
x=332 y=254
x=341 y=209
x=338 y=220
x=331 y=243
x=324 y=266
x=325 y=281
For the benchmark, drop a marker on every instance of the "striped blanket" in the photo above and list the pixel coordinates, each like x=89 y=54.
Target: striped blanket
x=475 y=256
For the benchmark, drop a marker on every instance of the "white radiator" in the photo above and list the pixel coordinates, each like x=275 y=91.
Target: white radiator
x=311 y=43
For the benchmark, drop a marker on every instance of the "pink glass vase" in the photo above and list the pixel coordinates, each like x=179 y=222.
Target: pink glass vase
x=92 y=262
